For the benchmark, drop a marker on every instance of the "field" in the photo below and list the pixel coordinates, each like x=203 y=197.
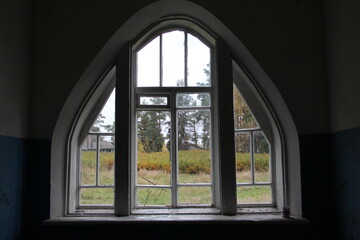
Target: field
x=154 y=169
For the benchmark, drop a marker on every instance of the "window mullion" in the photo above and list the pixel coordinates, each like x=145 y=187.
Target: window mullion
x=123 y=132
x=252 y=159
x=225 y=115
x=186 y=58
x=173 y=139
x=97 y=159
x=161 y=61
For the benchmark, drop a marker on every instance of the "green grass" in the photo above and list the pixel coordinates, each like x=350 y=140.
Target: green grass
x=154 y=169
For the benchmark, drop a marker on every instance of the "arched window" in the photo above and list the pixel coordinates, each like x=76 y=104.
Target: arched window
x=176 y=124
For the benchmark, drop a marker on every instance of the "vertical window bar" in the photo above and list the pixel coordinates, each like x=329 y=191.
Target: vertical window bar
x=97 y=158
x=173 y=149
x=161 y=61
x=252 y=165
x=185 y=58
x=226 y=153
x=123 y=132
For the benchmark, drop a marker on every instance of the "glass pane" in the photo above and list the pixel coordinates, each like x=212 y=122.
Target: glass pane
x=198 y=60
x=153 y=196
x=193 y=100
x=107 y=157
x=97 y=196
x=243 y=117
x=173 y=53
x=88 y=160
x=194 y=195
x=153 y=144
x=105 y=121
x=254 y=194
x=243 y=157
x=194 y=165
x=262 y=158
x=154 y=101
x=148 y=65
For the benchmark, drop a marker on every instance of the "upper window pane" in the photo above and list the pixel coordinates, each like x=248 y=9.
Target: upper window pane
x=173 y=53
x=243 y=117
x=193 y=100
x=153 y=101
x=198 y=63
x=148 y=65
x=105 y=121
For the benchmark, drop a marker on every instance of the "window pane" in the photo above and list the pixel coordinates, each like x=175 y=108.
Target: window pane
x=90 y=196
x=243 y=117
x=243 y=157
x=153 y=196
x=88 y=160
x=105 y=121
x=194 y=165
x=148 y=65
x=194 y=195
x=153 y=101
x=198 y=60
x=262 y=158
x=107 y=157
x=153 y=144
x=193 y=100
x=254 y=194
x=173 y=53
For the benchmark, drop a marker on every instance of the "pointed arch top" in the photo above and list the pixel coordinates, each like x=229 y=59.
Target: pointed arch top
x=245 y=67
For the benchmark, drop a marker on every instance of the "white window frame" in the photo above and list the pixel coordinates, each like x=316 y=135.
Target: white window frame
x=262 y=94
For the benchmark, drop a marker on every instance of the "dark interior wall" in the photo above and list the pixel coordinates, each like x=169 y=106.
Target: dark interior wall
x=15 y=66
x=286 y=38
x=14 y=79
x=343 y=51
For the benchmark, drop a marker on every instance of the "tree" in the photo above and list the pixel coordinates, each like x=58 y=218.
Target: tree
x=150 y=128
x=97 y=123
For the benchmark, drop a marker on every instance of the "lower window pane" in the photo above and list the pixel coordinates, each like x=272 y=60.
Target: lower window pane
x=254 y=194
x=153 y=148
x=153 y=196
x=107 y=157
x=88 y=160
x=194 y=153
x=243 y=157
x=261 y=158
x=194 y=195
x=97 y=196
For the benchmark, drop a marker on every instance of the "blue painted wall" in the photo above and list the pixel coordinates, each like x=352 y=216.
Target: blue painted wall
x=12 y=155
x=345 y=147
x=330 y=186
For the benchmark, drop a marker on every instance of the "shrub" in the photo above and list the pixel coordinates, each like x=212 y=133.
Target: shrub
x=189 y=162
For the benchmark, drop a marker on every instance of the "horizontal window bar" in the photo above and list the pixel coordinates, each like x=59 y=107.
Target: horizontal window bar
x=153 y=186
x=194 y=184
x=96 y=206
x=153 y=108
x=193 y=108
x=101 y=134
x=160 y=90
x=253 y=184
x=96 y=186
x=248 y=130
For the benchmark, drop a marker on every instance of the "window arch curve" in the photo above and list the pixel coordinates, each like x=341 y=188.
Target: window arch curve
x=262 y=93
